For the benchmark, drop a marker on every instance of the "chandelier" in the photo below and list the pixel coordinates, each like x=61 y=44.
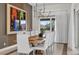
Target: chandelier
x=42 y=11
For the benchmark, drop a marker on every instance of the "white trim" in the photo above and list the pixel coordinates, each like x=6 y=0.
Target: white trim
x=9 y=5
x=7 y=50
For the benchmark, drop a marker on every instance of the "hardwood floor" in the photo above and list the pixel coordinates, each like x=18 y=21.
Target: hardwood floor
x=65 y=49
x=58 y=49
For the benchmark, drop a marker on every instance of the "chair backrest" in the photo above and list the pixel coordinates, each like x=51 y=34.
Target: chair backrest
x=22 y=42
x=49 y=38
x=32 y=33
x=52 y=36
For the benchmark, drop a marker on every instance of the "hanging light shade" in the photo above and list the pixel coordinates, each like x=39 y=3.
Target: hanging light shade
x=42 y=12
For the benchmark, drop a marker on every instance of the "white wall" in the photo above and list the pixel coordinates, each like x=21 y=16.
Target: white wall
x=35 y=20
x=55 y=6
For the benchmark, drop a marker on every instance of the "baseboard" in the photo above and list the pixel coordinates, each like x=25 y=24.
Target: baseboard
x=59 y=43
x=11 y=52
x=7 y=50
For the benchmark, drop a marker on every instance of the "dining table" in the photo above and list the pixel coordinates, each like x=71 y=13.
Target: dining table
x=35 y=40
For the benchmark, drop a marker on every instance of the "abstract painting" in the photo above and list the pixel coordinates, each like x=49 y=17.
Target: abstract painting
x=16 y=19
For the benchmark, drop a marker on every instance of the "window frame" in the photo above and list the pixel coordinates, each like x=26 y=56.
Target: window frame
x=50 y=22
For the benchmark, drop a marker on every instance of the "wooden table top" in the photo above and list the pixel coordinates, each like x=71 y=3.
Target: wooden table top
x=35 y=40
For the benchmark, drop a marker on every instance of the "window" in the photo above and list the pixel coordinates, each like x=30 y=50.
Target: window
x=47 y=24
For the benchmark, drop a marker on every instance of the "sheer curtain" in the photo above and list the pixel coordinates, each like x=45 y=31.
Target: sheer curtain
x=61 y=27
x=77 y=29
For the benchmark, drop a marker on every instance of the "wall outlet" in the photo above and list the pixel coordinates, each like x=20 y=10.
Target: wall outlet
x=4 y=44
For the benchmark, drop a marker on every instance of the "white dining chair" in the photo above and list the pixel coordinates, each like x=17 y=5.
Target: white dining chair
x=32 y=33
x=51 y=41
x=44 y=46
x=23 y=46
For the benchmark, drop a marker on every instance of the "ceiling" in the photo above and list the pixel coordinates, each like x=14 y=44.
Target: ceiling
x=39 y=4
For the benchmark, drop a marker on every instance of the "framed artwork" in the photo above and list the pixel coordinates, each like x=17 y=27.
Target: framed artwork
x=16 y=19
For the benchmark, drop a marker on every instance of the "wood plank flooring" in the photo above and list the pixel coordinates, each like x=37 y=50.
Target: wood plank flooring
x=58 y=49
x=65 y=49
